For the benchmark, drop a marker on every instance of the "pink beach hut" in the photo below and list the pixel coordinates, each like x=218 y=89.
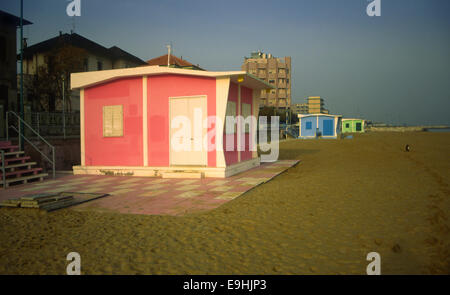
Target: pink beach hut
x=130 y=122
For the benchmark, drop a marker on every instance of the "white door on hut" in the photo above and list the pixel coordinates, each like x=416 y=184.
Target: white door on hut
x=187 y=134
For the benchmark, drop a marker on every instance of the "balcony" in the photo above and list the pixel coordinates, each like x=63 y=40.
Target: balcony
x=272 y=75
x=281 y=74
x=262 y=65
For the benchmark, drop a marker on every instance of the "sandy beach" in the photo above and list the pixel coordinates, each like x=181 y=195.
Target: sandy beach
x=346 y=198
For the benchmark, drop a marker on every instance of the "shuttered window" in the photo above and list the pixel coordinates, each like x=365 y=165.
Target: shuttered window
x=246 y=112
x=231 y=112
x=113 y=121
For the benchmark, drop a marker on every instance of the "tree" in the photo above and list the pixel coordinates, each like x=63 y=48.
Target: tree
x=46 y=87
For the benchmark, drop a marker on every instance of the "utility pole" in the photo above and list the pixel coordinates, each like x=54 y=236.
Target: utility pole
x=64 y=107
x=21 y=147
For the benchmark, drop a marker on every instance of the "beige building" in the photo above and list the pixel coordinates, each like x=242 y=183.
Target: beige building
x=97 y=58
x=8 y=61
x=300 y=108
x=276 y=72
x=313 y=105
x=316 y=105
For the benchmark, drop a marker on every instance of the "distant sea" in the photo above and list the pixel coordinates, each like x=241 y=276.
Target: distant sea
x=439 y=129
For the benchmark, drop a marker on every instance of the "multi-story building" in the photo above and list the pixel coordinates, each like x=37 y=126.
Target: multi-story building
x=275 y=71
x=8 y=61
x=95 y=58
x=315 y=104
x=300 y=108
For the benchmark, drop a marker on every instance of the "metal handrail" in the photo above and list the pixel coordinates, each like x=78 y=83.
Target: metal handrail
x=3 y=169
x=21 y=135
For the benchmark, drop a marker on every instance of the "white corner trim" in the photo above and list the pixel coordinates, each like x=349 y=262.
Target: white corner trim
x=82 y=130
x=145 y=120
x=222 y=89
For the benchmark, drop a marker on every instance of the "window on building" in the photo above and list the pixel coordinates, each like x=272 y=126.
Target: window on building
x=308 y=126
x=86 y=65
x=271 y=81
x=99 y=66
x=358 y=126
x=347 y=125
x=231 y=112
x=4 y=93
x=113 y=121
x=287 y=81
x=246 y=112
x=2 y=48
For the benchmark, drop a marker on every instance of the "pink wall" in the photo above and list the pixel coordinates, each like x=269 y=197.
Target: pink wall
x=160 y=88
x=246 y=97
x=127 y=150
x=114 y=151
x=231 y=157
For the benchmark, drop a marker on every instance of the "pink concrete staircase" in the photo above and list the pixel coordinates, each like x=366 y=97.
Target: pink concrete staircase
x=18 y=169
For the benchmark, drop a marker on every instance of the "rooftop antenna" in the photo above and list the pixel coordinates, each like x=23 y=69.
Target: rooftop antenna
x=169 y=48
x=73 y=25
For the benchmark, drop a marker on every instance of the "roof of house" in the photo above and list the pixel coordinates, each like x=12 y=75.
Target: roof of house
x=89 y=79
x=81 y=42
x=119 y=53
x=176 y=61
x=352 y=119
x=314 y=115
x=12 y=19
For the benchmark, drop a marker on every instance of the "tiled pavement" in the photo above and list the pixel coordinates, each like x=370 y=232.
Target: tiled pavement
x=147 y=195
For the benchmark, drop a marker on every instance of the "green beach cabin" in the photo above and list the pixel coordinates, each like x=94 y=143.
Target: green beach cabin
x=352 y=125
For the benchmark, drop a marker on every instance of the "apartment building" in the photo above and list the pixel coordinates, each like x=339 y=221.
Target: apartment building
x=315 y=105
x=300 y=108
x=8 y=61
x=275 y=71
x=95 y=58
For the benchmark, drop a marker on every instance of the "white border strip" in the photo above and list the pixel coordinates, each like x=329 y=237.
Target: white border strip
x=145 y=119
x=82 y=130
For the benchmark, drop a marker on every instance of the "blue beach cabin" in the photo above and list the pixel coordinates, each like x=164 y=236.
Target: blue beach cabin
x=323 y=125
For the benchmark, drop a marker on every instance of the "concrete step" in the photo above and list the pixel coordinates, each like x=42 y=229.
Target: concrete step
x=182 y=174
x=19 y=173
x=14 y=153
x=27 y=164
x=15 y=159
x=24 y=179
x=10 y=148
x=5 y=143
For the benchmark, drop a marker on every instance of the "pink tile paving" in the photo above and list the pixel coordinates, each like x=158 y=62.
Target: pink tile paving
x=154 y=196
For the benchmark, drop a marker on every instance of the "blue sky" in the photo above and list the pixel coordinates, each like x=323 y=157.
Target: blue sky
x=393 y=68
